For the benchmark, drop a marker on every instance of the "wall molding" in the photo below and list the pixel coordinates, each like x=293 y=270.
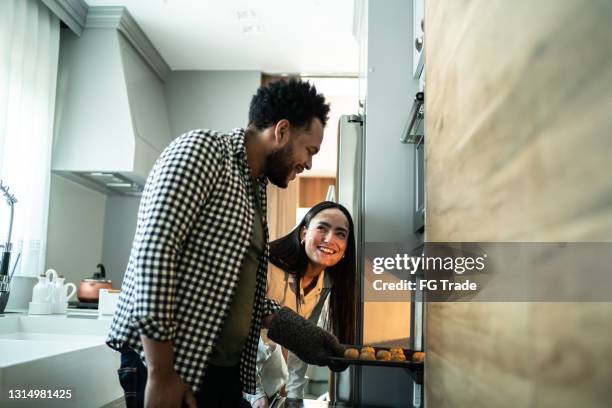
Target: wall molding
x=72 y=12
x=119 y=18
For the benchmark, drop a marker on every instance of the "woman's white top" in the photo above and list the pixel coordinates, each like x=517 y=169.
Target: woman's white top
x=312 y=306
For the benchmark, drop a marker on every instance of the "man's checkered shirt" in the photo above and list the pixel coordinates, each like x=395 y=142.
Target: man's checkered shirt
x=194 y=227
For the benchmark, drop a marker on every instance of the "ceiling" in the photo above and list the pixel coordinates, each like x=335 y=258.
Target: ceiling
x=297 y=36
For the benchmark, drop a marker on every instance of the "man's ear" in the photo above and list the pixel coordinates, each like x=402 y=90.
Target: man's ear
x=281 y=132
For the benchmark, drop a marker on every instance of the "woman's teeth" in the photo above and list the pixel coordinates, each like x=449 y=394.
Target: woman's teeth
x=326 y=250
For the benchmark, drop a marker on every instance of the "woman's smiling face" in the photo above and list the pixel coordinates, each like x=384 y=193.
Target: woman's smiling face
x=326 y=237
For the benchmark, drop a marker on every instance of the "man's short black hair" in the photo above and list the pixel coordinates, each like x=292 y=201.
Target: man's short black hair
x=294 y=100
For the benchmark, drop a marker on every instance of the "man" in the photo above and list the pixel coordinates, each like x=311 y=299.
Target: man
x=193 y=298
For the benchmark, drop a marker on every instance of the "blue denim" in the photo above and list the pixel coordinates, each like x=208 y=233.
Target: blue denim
x=133 y=378
x=221 y=386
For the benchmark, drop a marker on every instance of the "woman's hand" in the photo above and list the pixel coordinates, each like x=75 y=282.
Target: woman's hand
x=261 y=402
x=167 y=390
x=308 y=342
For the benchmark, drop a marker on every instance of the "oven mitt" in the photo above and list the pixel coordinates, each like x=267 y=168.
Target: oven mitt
x=305 y=339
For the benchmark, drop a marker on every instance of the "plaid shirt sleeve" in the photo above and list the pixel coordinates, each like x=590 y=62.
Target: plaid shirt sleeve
x=270 y=307
x=176 y=189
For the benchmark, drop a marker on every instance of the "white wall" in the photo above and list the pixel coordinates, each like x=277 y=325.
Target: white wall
x=76 y=229
x=119 y=229
x=343 y=98
x=217 y=100
x=390 y=92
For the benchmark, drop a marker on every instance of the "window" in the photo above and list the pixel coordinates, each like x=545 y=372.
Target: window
x=29 y=46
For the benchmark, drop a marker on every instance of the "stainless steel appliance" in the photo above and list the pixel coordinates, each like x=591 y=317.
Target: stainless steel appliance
x=415 y=133
x=350 y=183
x=346 y=386
x=350 y=170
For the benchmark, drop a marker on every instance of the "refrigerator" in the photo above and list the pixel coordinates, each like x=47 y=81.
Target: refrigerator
x=344 y=386
x=350 y=188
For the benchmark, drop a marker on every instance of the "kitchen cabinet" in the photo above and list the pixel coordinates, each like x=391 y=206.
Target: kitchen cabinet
x=518 y=149
x=313 y=190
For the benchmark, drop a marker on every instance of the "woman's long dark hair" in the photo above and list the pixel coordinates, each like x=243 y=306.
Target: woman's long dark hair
x=288 y=254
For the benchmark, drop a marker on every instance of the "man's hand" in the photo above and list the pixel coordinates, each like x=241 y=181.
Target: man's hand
x=261 y=403
x=167 y=390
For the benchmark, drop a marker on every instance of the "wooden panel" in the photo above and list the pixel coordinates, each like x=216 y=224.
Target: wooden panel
x=518 y=119
x=266 y=78
x=386 y=324
x=518 y=149
x=314 y=189
x=282 y=207
x=478 y=355
x=572 y=351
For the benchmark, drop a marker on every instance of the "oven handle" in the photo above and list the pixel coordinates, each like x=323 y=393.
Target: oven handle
x=416 y=116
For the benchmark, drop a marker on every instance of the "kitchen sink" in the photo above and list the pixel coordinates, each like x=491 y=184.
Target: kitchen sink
x=94 y=340
x=57 y=352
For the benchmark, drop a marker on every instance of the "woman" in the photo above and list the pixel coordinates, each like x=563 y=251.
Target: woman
x=316 y=261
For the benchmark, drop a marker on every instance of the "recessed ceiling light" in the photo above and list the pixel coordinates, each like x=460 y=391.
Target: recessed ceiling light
x=246 y=15
x=122 y=185
x=252 y=29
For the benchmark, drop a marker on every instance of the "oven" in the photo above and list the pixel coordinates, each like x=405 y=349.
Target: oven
x=414 y=134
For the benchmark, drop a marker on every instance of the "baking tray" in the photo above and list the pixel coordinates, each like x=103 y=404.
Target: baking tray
x=415 y=369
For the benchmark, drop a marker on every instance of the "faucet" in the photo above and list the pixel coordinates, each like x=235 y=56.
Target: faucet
x=5 y=257
x=6 y=252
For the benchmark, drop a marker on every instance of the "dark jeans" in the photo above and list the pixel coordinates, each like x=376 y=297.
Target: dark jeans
x=221 y=386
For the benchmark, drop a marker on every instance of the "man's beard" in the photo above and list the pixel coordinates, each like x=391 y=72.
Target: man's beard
x=279 y=165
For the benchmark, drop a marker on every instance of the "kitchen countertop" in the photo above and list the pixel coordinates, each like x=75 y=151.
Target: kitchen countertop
x=58 y=352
